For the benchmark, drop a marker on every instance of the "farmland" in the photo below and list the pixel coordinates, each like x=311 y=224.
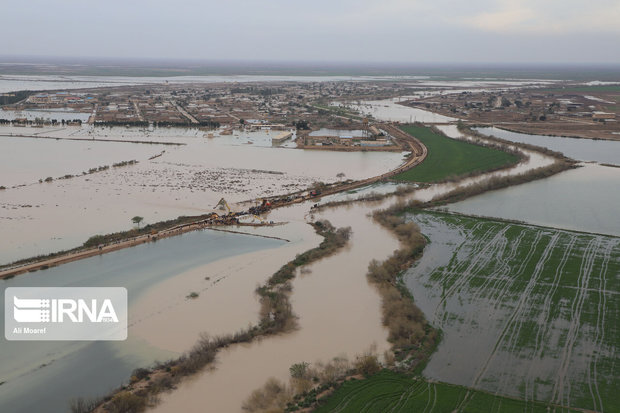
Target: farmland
x=389 y=391
x=526 y=311
x=528 y=316
x=449 y=158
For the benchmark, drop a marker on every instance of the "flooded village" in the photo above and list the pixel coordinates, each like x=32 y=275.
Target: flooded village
x=283 y=241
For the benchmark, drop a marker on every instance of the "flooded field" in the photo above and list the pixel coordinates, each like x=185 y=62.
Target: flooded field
x=24 y=161
x=338 y=132
x=44 y=114
x=588 y=150
x=525 y=311
x=396 y=393
x=184 y=180
x=51 y=373
x=555 y=328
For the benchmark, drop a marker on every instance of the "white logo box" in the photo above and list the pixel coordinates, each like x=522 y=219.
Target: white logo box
x=65 y=313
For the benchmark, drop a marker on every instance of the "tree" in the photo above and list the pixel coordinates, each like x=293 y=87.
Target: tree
x=299 y=370
x=137 y=220
x=302 y=125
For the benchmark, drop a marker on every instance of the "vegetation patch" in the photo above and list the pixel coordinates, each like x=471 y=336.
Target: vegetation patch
x=529 y=308
x=450 y=158
x=395 y=392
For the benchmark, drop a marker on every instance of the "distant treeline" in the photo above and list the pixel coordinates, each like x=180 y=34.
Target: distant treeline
x=41 y=121
x=14 y=97
x=161 y=124
x=252 y=90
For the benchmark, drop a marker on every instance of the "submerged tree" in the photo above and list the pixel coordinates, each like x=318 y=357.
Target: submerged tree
x=137 y=220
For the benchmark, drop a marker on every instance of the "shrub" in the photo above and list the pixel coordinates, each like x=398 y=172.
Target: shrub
x=126 y=402
x=83 y=405
x=367 y=364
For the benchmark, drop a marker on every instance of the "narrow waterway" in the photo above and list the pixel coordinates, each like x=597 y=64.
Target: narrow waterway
x=587 y=150
x=582 y=199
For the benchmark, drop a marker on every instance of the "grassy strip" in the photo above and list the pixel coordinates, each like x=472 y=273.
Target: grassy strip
x=449 y=158
x=395 y=392
x=276 y=317
x=309 y=383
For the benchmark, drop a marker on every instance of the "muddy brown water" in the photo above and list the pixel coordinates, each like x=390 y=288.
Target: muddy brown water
x=335 y=305
x=339 y=314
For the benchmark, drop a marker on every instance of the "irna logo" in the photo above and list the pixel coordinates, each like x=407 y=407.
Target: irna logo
x=98 y=313
x=28 y=310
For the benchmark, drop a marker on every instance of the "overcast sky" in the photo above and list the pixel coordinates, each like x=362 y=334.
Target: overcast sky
x=415 y=31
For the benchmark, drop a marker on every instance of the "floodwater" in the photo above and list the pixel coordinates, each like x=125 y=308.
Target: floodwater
x=338 y=311
x=345 y=322
x=584 y=199
x=11 y=83
x=601 y=151
x=51 y=373
x=185 y=180
x=339 y=314
x=26 y=160
x=338 y=132
x=390 y=110
x=45 y=114
x=522 y=309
